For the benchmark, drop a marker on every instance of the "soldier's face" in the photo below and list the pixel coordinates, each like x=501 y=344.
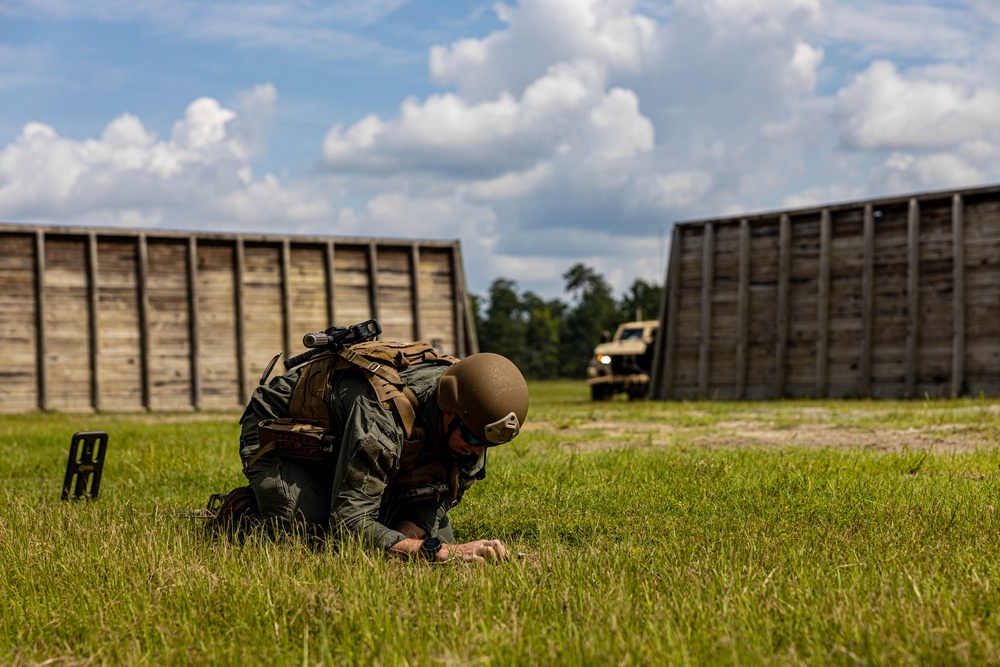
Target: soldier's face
x=456 y=443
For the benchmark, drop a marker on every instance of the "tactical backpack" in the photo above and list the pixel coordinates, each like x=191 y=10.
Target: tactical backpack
x=306 y=433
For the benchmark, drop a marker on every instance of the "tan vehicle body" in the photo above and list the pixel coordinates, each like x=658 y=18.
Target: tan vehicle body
x=623 y=363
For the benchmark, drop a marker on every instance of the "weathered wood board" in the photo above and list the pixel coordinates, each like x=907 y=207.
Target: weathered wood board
x=885 y=298
x=123 y=320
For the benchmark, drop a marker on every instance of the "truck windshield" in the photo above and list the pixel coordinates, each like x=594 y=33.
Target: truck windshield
x=631 y=334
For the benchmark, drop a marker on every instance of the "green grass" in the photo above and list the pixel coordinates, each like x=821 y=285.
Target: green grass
x=644 y=544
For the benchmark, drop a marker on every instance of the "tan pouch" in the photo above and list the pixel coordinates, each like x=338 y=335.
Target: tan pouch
x=294 y=438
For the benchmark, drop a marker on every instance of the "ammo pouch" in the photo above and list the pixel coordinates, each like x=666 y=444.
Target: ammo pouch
x=295 y=438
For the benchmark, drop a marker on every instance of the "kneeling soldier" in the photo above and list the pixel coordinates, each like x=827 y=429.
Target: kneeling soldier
x=378 y=441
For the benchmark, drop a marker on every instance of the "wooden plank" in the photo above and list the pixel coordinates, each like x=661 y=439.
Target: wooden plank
x=121 y=319
x=912 y=293
x=823 y=305
x=142 y=287
x=18 y=321
x=415 y=290
x=845 y=302
x=981 y=232
x=373 y=299
x=41 y=350
x=262 y=308
x=762 y=307
x=958 y=295
x=118 y=323
x=194 y=332
x=92 y=309
x=437 y=293
x=458 y=300
x=470 y=339
x=395 y=289
x=217 y=320
x=331 y=313
x=935 y=314
x=353 y=285
x=239 y=275
x=888 y=355
x=68 y=331
x=170 y=350
x=286 y=297
x=705 y=329
x=784 y=272
x=867 y=303
x=307 y=293
x=743 y=309
x=669 y=360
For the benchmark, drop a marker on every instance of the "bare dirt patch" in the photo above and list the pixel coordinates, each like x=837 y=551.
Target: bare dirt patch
x=602 y=434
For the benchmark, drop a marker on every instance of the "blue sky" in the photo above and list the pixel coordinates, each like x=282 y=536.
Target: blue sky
x=539 y=132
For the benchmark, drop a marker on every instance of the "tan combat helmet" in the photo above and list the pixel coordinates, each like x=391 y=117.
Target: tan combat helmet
x=488 y=393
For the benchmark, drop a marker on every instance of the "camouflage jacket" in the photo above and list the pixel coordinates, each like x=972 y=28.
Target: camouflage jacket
x=370 y=452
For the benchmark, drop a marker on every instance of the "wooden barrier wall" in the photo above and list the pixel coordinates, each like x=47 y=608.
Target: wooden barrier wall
x=887 y=298
x=120 y=320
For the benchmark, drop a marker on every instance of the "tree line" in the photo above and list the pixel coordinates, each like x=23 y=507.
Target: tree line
x=554 y=338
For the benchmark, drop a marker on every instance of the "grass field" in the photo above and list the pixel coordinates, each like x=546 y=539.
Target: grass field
x=654 y=533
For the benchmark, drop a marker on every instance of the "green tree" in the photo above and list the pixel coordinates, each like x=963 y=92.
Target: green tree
x=594 y=311
x=550 y=339
x=476 y=304
x=542 y=336
x=505 y=326
x=641 y=301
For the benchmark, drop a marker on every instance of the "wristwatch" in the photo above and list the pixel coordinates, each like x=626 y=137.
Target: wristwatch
x=430 y=547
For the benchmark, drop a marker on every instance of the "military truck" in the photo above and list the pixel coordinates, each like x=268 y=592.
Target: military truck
x=623 y=363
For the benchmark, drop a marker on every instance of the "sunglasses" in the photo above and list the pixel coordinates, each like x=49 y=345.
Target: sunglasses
x=471 y=439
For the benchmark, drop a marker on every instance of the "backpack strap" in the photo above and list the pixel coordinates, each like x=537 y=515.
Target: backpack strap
x=380 y=363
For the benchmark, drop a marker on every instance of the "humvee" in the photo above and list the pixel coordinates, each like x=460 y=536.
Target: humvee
x=623 y=363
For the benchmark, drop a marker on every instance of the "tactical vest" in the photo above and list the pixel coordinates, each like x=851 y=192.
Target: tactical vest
x=306 y=433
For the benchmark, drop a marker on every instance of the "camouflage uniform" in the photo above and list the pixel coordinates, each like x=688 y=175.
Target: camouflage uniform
x=353 y=492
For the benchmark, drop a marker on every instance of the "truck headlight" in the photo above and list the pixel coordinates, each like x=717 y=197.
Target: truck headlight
x=604 y=359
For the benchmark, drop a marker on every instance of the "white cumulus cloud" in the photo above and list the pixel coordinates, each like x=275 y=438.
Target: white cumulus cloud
x=884 y=109
x=130 y=176
x=567 y=110
x=539 y=33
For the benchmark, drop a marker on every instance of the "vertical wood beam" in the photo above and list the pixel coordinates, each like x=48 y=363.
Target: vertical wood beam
x=958 y=295
x=743 y=309
x=666 y=340
x=286 y=297
x=912 y=294
x=707 y=279
x=41 y=348
x=462 y=328
x=145 y=344
x=373 y=299
x=415 y=290
x=784 y=273
x=194 y=331
x=92 y=308
x=867 y=303
x=331 y=285
x=823 y=305
x=239 y=270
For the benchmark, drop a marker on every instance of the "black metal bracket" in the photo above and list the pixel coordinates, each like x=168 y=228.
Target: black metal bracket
x=87 y=451
x=215 y=502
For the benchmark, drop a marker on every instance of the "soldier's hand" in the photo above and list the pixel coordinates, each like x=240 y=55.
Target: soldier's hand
x=476 y=552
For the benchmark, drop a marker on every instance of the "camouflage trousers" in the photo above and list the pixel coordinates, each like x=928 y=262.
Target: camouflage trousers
x=294 y=496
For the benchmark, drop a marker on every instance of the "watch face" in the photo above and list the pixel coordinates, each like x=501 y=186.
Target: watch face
x=431 y=545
